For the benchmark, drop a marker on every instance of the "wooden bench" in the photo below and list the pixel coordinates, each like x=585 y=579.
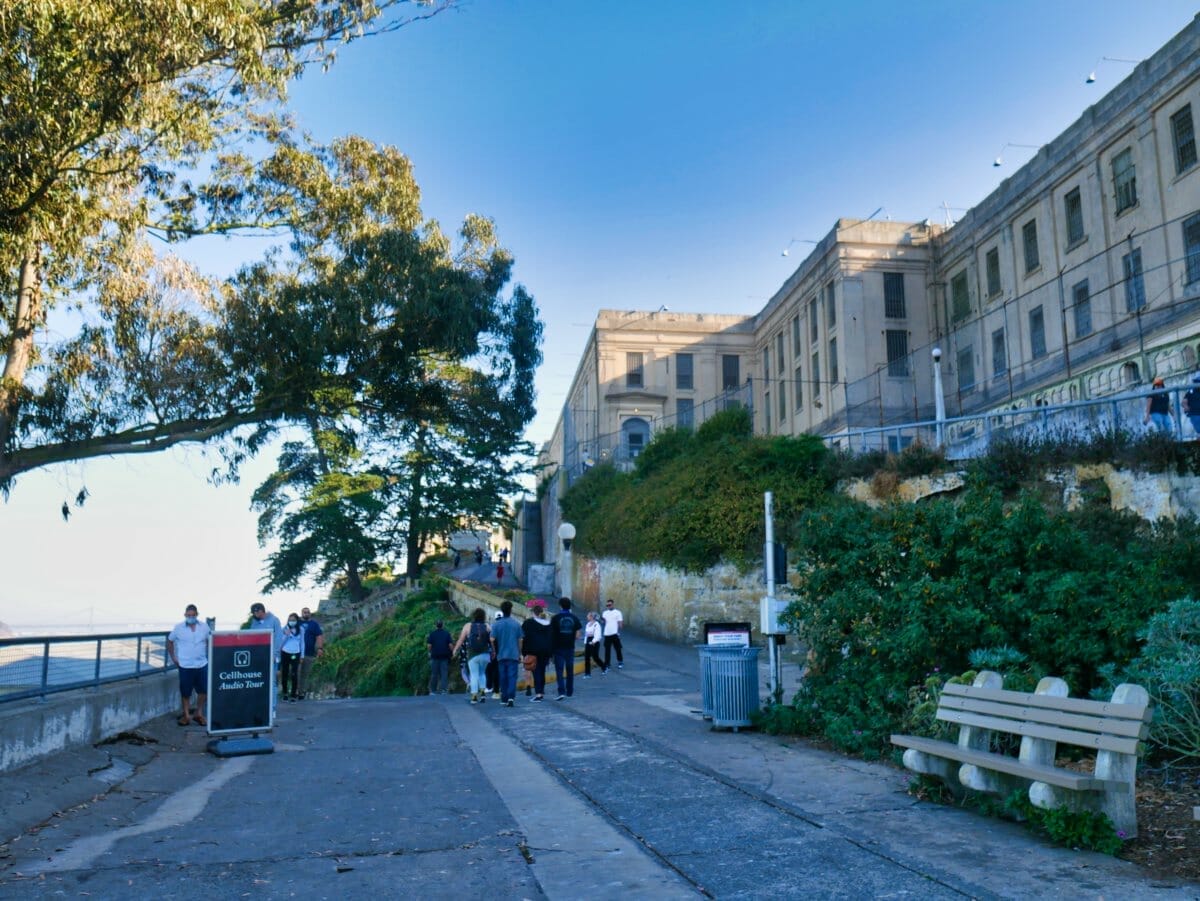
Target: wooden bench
x=1043 y=720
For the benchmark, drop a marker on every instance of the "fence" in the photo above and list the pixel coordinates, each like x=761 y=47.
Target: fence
x=35 y=667
x=965 y=437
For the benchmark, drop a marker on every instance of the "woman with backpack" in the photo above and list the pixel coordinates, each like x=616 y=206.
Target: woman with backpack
x=477 y=638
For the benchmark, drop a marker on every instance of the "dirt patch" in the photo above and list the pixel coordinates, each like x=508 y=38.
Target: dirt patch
x=1168 y=842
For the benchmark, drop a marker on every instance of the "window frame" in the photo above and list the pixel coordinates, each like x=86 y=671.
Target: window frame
x=635 y=376
x=799 y=388
x=1124 y=174
x=1037 y=333
x=1135 y=281
x=1081 y=309
x=991 y=263
x=833 y=361
x=1183 y=146
x=1073 y=217
x=896 y=346
x=894 y=303
x=685 y=376
x=728 y=362
x=685 y=413
x=1191 y=252
x=1029 y=238
x=968 y=354
x=999 y=353
x=830 y=306
x=960 y=310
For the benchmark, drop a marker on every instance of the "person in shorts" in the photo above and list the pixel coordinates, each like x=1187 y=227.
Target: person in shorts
x=187 y=646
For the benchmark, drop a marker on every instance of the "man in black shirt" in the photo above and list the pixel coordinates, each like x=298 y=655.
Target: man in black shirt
x=565 y=627
x=439 y=642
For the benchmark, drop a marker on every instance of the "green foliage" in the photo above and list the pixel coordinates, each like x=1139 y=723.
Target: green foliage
x=699 y=499
x=1086 y=829
x=389 y=657
x=735 y=423
x=1169 y=669
x=894 y=595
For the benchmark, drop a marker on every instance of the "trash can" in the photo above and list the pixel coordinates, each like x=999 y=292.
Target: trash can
x=706 y=704
x=733 y=682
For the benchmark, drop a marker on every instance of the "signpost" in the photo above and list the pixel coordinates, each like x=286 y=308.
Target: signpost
x=241 y=682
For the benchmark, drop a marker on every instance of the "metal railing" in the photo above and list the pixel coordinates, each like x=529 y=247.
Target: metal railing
x=38 y=666
x=964 y=437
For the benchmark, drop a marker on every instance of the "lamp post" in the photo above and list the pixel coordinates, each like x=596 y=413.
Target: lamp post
x=939 y=400
x=566 y=533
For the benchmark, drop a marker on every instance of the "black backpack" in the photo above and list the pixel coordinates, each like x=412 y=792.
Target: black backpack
x=478 y=639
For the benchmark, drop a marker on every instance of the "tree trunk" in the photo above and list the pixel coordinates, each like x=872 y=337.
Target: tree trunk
x=20 y=344
x=354 y=583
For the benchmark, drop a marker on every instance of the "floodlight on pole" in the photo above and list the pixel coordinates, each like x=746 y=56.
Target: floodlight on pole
x=797 y=241
x=999 y=160
x=1091 y=79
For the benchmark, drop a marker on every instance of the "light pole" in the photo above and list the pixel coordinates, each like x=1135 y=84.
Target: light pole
x=566 y=532
x=939 y=400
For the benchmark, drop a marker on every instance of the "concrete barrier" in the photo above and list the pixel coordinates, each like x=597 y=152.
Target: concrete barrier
x=34 y=728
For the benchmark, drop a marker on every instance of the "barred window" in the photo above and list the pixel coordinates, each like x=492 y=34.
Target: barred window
x=1191 y=247
x=796 y=336
x=960 y=297
x=1037 y=333
x=799 y=389
x=999 y=353
x=893 y=295
x=1135 y=285
x=1030 y=242
x=966 y=369
x=1081 y=302
x=782 y=391
x=830 y=307
x=684 y=412
x=897 y=352
x=1124 y=180
x=767 y=362
x=992 y=262
x=833 y=361
x=1073 y=206
x=730 y=372
x=780 y=360
x=683 y=372
x=633 y=370
x=1184 y=139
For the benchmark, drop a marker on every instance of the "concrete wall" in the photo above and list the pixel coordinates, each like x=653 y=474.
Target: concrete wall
x=32 y=729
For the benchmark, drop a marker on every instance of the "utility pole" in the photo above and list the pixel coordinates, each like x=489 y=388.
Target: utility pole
x=769 y=612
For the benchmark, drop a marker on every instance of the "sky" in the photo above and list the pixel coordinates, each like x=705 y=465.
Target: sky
x=632 y=154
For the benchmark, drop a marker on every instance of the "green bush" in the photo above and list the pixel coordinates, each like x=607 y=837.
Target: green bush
x=891 y=596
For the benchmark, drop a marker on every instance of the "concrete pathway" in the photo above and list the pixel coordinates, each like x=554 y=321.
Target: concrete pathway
x=622 y=791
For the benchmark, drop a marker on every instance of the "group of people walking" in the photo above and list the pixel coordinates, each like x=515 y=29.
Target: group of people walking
x=496 y=652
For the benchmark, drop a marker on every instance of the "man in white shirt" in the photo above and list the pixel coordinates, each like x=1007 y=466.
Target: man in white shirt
x=187 y=646
x=612 y=634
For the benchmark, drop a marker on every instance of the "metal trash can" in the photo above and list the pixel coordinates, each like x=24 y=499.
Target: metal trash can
x=734 y=684
x=706 y=703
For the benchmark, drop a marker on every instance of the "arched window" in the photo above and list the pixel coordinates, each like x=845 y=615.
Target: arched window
x=635 y=435
x=1130 y=374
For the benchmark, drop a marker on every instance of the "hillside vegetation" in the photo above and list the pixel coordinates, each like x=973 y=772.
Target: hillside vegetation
x=892 y=602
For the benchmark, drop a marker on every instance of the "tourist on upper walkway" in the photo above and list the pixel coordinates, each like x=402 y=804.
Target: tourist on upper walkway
x=1191 y=405
x=478 y=640
x=1159 y=410
x=537 y=640
x=188 y=646
x=613 y=621
x=506 y=639
x=290 y=653
x=593 y=632
x=439 y=642
x=314 y=647
x=565 y=627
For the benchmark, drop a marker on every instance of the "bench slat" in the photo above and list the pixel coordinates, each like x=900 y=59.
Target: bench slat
x=1001 y=763
x=1068 y=705
x=1027 y=713
x=1036 y=730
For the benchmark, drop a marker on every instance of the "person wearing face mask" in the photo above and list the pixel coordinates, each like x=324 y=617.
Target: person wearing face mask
x=289 y=658
x=188 y=647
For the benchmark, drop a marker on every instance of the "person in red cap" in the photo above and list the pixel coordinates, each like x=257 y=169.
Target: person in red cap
x=1158 y=408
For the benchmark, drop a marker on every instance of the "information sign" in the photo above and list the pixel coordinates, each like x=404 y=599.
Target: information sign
x=240 y=682
x=730 y=635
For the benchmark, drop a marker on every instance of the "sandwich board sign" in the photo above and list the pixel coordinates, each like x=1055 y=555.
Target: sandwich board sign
x=241 y=685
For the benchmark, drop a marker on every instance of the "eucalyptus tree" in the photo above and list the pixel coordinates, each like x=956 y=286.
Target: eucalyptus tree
x=121 y=120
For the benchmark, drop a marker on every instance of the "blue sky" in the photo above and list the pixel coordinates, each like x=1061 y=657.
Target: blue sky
x=632 y=155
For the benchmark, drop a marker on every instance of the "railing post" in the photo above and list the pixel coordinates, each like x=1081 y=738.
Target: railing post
x=137 y=659
x=96 y=674
x=45 y=667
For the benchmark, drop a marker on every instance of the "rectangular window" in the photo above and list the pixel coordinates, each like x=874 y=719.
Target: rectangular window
x=1183 y=137
x=780 y=353
x=893 y=295
x=799 y=388
x=814 y=327
x=999 y=353
x=796 y=337
x=830 y=307
x=1135 y=286
x=992 y=265
x=897 y=352
x=833 y=369
x=1037 y=333
x=1073 y=205
x=781 y=390
x=1081 y=302
x=685 y=412
x=1124 y=180
x=960 y=297
x=767 y=410
x=1029 y=241
x=766 y=362
x=1191 y=247
x=966 y=369
x=683 y=372
x=817 y=383
x=633 y=370
x=730 y=372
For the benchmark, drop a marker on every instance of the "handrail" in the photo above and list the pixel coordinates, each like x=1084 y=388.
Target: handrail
x=81 y=661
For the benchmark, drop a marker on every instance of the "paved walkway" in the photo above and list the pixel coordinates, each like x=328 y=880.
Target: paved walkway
x=621 y=792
